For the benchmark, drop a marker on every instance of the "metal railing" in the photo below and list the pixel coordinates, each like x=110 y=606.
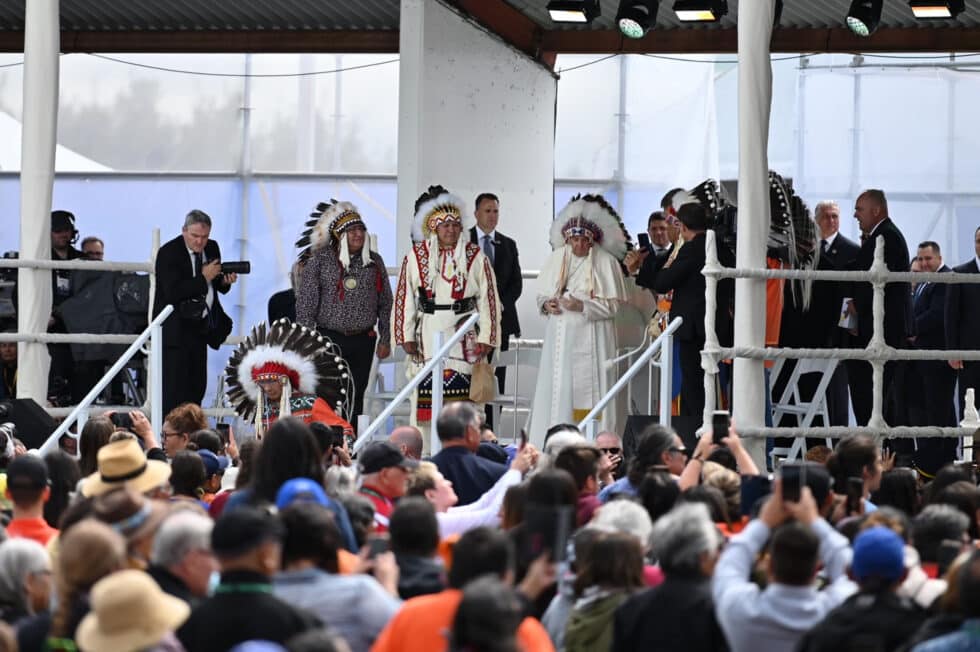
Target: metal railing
x=80 y=412
x=665 y=344
x=877 y=352
x=434 y=366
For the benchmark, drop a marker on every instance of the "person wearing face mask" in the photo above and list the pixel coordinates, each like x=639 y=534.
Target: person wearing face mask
x=443 y=280
x=248 y=544
x=344 y=291
x=580 y=290
x=181 y=560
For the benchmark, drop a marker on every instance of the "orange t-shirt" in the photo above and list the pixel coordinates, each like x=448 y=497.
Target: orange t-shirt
x=425 y=622
x=31 y=528
x=774 y=306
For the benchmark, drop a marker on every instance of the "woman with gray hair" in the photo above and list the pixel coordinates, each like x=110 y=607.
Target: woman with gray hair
x=678 y=614
x=25 y=579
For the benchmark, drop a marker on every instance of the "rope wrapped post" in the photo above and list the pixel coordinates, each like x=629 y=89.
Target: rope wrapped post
x=878 y=346
x=709 y=354
x=755 y=22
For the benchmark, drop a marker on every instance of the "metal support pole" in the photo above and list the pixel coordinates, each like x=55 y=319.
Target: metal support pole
x=42 y=40
x=245 y=170
x=755 y=21
x=437 y=370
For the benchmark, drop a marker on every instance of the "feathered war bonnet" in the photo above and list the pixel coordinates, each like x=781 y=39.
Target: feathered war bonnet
x=299 y=358
x=591 y=216
x=438 y=206
x=792 y=234
x=326 y=226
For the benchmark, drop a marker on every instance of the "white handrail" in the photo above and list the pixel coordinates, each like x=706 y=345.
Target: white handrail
x=364 y=437
x=877 y=352
x=81 y=410
x=664 y=341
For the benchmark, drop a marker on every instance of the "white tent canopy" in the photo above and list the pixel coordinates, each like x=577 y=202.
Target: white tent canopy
x=65 y=159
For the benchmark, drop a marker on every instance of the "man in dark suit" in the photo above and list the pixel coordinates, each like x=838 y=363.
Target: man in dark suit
x=871 y=212
x=502 y=252
x=963 y=323
x=929 y=386
x=683 y=276
x=188 y=272
x=645 y=263
x=817 y=326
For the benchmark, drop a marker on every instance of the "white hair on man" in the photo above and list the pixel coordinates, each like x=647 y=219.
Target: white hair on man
x=555 y=444
x=682 y=537
x=180 y=534
x=823 y=205
x=20 y=558
x=627 y=517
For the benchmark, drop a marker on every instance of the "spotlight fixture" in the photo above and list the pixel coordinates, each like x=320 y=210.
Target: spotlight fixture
x=925 y=9
x=864 y=16
x=573 y=11
x=700 y=10
x=636 y=17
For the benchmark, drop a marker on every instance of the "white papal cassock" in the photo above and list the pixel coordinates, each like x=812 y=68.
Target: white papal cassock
x=573 y=374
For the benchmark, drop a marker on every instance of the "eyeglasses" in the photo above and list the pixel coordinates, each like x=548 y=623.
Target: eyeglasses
x=675 y=449
x=611 y=451
x=169 y=434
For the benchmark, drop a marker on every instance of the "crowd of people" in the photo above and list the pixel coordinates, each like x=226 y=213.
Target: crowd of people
x=183 y=539
x=180 y=540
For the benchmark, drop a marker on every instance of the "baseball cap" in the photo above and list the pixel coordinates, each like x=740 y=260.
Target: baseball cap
x=878 y=552
x=382 y=455
x=27 y=472
x=213 y=463
x=301 y=490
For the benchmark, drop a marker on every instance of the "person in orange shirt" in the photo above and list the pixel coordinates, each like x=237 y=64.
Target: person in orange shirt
x=27 y=488
x=423 y=623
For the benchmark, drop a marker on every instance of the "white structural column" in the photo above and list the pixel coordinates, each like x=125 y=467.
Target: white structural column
x=754 y=101
x=42 y=36
x=474 y=115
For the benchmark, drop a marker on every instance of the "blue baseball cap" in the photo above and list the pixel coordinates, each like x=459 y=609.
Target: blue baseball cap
x=301 y=489
x=213 y=464
x=878 y=552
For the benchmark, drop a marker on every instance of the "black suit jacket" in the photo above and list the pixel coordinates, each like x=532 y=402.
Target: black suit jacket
x=646 y=276
x=685 y=279
x=819 y=323
x=962 y=314
x=896 y=294
x=507 y=268
x=176 y=282
x=928 y=312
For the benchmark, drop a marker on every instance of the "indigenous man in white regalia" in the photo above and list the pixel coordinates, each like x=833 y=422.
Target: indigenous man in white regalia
x=580 y=289
x=443 y=280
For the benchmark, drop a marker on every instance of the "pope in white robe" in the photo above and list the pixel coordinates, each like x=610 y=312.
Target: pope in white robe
x=580 y=290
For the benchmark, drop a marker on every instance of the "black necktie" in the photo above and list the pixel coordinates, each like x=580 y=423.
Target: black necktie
x=823 y=247
x=198 y=263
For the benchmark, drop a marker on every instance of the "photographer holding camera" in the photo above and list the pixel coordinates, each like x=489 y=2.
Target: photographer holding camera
x=190 y=276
